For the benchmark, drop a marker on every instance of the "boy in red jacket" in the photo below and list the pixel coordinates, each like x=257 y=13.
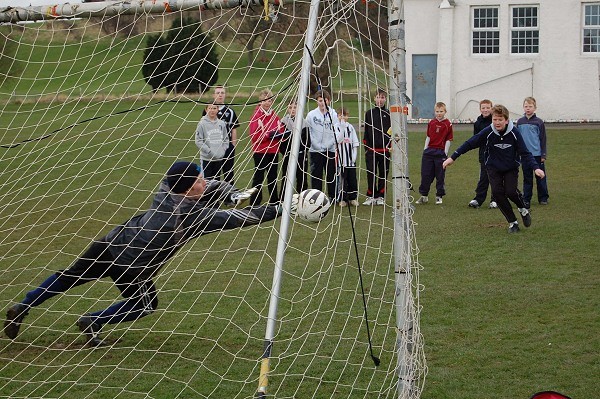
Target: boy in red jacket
x=437 y=144
x=265 y=132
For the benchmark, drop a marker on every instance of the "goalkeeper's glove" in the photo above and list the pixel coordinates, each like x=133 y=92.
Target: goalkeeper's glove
x=293 y=208
x=239 y=198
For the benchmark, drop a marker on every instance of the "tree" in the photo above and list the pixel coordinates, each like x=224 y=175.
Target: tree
x=184 y=62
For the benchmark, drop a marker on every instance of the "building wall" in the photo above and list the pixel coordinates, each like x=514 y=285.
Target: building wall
x=564 y=81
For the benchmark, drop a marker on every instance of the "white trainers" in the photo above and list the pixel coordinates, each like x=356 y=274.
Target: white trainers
x=438 y=200
x=493 y=205
x=474 y=204
x=380 y=201
x=369 y=201
x=423 y=200
x=353 y=203
x=343 y=204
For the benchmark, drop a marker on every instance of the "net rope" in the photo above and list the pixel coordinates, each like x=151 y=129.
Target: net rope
x=85 y=142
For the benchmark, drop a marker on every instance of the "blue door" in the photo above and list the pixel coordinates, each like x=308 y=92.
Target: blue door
x=424 y=70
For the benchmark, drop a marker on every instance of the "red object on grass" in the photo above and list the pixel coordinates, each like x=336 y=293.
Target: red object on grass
x=549 y=395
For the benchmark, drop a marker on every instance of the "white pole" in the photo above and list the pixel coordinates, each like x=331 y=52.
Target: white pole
x=109 y=8
x=263 y=381
x=406 y=362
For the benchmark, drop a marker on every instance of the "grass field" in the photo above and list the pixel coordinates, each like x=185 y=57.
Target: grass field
x=503 y=316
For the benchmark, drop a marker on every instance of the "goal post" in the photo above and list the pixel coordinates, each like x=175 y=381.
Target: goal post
x=111 y=8
x=84 y=144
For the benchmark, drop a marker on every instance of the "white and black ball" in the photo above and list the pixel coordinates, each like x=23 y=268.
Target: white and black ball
x=313 y=205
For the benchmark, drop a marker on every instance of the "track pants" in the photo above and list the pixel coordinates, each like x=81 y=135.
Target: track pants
x=504 y=187
x=95 y=263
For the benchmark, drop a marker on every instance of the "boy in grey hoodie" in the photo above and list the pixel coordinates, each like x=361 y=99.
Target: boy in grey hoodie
x=212 y=140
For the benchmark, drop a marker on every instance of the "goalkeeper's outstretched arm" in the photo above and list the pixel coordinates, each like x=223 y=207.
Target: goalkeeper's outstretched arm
x=214 y=220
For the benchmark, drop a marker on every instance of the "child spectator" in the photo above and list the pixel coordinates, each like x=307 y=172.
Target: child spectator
x=533 y=131
x=377 y=149
x=265 y=127
x=227 y=115
x=437 y=144
x=320 y=122
x=289 y=121
x=504 y=150
x=347 y=150
x=483 y=121
x=212 y=140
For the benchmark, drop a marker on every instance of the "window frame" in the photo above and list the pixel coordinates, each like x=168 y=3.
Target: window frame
x=593 y=45
x=530 y=44
x=485 y=34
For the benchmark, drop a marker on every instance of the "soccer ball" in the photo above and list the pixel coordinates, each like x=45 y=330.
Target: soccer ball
x=313 y=205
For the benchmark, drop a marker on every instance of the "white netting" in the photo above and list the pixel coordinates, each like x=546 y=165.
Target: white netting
x=85 y=141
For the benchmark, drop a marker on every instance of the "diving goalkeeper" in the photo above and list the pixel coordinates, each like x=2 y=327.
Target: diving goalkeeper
x=185 y=207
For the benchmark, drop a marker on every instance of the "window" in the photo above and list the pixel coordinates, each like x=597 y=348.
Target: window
x=591 y=28
x=525 y=34
x=486 y=34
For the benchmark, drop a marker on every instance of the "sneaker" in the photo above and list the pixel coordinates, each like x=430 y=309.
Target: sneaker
x=544 y=202
x=493 y=205
x=438 y=200
x=353 y=203
x=91 y=330
x=513 y=227
x=369 y=201
x=241 y=197
x=526 y=215
x=343 y=204
x=14 y=317
x=526 y=204
x=474 y=204
x=380 y=201
x=423 y=200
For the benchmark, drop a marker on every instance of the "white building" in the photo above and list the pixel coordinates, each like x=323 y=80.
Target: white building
x=462 y=51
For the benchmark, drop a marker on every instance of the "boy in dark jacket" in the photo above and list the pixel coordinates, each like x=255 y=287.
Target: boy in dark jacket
x=377 y=149
x=484 y=120
x=185 y=207
x=504 y=150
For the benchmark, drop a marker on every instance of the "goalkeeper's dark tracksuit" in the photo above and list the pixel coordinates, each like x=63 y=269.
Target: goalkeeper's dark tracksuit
x=131 y=254
x=503 y=152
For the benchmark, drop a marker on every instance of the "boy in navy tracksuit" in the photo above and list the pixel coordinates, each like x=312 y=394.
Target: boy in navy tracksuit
x=504 y=150
x=533 y=131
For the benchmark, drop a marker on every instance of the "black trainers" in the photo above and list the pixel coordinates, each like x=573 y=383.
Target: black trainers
x=513 y=227
x=91 y=330
x=526 y=215
x=14 y=317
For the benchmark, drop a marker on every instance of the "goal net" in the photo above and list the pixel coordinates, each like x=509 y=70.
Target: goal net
x=97 y=101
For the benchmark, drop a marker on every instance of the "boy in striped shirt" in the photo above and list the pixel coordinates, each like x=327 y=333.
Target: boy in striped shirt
x=347 y=149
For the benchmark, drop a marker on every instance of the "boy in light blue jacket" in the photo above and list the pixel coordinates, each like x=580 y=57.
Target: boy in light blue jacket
x=533 y=131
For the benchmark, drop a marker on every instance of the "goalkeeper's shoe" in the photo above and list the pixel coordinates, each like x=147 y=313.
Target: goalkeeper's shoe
x=14 y=317
x=91 y=330
x=239 y=198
